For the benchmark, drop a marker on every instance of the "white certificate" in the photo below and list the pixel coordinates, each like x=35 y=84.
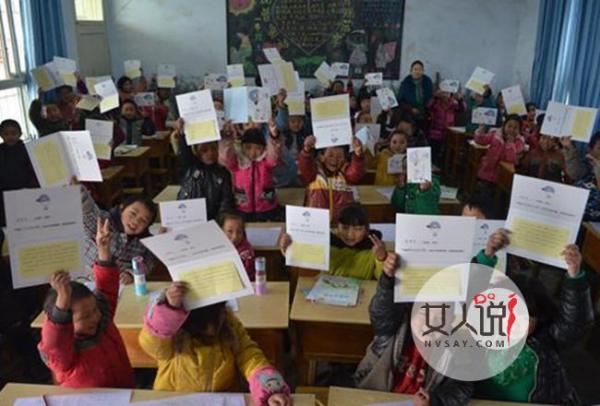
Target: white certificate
x=215 y=81
x=101 y=132
x=272 y=54
x=109 y=93
x=428 y=244
x=92 y=81
x=66 y=68
x=374 y=79
x=165 y=75
x=286 y=78
x=513 y=100
x=88 y=102
x=263 y=237
x=324 y=73
x=235 y=75
x=483 y=230
x=268 y=78
x=562 y=120
x=204 y=258
x=543 y=218
x=341 y=69
x=484 y=115
x=376 y=108
x=368 y=134
x=200 y=118
x=387 y=230
x=479 y=79
x=449 y=85
x=178 y=214
x=47 y=76
x=418 y=165
x=58 y=157
x=45 y=233
x=387 y=98
x=309 y=229
x=145 y=99
x=295 y=101
x=331 y=120
x=396 y=164
x=247 y=104
x=133 y=68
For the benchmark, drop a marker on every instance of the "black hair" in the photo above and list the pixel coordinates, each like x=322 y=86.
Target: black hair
x=78 y=291
x=146 y=201
x=594 y=140
x=335 y=82
x=254 y=136
x=417 y=62
x=530 y=104
x=64 y=87
x=487 y=93
x=121 y=82
x=539 y=304
x=199 y=319
x=229 y=214
x=514 y=117
x=540 y=120
x=353 y=214
x=129 y=101
x=478 y=200
x=10 y=123
x=394 y=132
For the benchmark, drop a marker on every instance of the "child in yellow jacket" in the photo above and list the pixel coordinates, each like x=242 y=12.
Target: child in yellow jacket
x=202 y=351
x=398 y=145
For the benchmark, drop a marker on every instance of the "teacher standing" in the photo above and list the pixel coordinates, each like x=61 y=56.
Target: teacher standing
x=416 y=90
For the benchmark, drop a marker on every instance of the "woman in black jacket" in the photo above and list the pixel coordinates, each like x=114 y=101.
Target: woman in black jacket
x=202 y=175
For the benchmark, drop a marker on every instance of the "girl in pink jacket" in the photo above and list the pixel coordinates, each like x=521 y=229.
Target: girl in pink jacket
x=234 y=227
x=442 y=111
x=251 y=167
x=505 y=146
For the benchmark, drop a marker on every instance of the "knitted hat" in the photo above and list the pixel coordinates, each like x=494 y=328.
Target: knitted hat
x=254 y=136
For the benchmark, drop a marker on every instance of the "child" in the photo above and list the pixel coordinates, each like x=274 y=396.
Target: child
x=47 y=117
x=204 y=349
x=80 y=342
x=16 y=171
x=442 y=110
x=327 y=177
x=529 y=121
x=161 y=109
x=537 y=375
x=546 y=161
x=356 y=251
x=252 y=171
x=66 y=101
x=477 y=205
x=413 y=198
x=392 y=362
x=125 y=88
x=416 y=136
x=132 y=125
x=397 y=146
x=478 y=100
x=203 y=176
x=129 y=222
x=364 y=103
x=234 y=227
x=504 y=147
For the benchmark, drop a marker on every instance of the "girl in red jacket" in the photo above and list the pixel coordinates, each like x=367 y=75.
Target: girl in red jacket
x=505 y=146
x=80 y=342
x=442 y=111
x=234 y=227
x=251 y=168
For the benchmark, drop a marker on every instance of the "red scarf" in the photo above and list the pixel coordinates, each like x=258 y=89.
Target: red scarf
x=411 y=374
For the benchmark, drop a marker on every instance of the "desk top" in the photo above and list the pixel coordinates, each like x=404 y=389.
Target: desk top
x=256 y=312
x=303 y=310
x=168 y=194
x=359 y=397
x=12 y=391
x=507 y=166
x=593 y=227
x=111 y=172
x=136 y=153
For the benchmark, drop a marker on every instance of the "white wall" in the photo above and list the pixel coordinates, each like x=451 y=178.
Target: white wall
x=450 y=37
x=68 y=12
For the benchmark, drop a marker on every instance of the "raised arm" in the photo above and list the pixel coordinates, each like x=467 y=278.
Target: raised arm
x=307 y=163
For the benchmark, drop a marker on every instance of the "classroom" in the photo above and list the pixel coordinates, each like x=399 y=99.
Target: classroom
x=299 y=202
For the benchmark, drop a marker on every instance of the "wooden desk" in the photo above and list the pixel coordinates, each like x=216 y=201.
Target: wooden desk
x=330 y=333
x=111 y=188
x=359 y=397
x=167 y=194
x=265 y=318
x=136 y=165
x=475 y=153
x=590 y=248
x=506 y=174
x=160 y=145
x=13 y=391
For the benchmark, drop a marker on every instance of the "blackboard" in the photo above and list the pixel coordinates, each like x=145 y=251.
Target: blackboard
x=366 y=33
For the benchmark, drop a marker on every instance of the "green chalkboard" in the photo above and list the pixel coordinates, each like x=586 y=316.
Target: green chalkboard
x=366 y=33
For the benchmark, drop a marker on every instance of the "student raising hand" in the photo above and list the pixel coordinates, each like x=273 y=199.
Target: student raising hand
x=391 y=264
x=61 y=282
x=281 y=96
x=425 y=186
x=280 y=399
x=378 y=248
x=175 y=294
x=103 y=235
x=573 y=259
x=284 y=241
x=498 y=240
x=309 y=143
x=357 y=146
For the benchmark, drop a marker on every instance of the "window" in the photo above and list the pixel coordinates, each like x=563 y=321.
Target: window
x=89 y=10
x=12 y=64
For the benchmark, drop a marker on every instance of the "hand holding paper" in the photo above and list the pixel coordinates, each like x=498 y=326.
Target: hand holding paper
x=479 y=79
x=198 y=112
x=418 y=164
x=331 y=120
